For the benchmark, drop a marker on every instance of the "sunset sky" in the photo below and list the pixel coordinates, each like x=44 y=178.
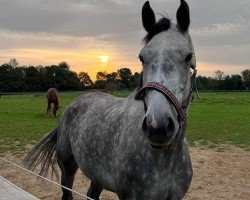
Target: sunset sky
x=105 y=35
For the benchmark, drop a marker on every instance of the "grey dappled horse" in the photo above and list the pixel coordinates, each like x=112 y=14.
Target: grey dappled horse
x=135 y=146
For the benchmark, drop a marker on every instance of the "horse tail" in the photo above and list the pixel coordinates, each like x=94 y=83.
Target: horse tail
x=44 y=153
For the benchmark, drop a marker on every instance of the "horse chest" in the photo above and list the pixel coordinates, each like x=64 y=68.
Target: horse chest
x=155 y=177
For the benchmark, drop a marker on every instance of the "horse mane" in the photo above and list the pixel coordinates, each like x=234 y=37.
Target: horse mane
x=162 y=25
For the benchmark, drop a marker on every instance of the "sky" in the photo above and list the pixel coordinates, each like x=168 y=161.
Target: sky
x=105 y=35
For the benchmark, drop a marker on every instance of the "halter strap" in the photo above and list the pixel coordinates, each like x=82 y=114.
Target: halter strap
x=181 y=109
x=161 y=88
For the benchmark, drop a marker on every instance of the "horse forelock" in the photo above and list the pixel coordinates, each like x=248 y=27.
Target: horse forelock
x=162 y=25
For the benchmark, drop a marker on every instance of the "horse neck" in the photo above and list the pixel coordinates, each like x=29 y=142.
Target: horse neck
x=178 y=145
x=56 y=104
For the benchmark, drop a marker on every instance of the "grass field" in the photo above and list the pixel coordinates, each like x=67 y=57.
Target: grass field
x=215 y=119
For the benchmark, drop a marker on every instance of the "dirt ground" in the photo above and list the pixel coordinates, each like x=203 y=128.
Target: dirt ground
x=217 y=175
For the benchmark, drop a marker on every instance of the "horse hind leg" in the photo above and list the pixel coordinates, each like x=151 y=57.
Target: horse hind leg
x=68 y=167
x=94 y=191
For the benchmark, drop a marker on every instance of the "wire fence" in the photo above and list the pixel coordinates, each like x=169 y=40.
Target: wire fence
x=44 y=178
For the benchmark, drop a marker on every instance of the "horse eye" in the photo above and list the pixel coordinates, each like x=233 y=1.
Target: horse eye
x=141 y=59
x=189 y=57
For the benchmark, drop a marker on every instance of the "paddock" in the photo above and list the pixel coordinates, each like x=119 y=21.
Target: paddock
x=218 y=174
x=221 y=170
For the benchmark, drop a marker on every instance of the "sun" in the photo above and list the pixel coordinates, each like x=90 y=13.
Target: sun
x=104 y=59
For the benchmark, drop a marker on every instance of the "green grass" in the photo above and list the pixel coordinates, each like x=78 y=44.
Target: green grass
x=23 y=120
x=215 y=119
x=220 y=118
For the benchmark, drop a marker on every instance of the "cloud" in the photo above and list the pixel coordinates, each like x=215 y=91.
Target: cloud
x=72 y=18
x=220 y=29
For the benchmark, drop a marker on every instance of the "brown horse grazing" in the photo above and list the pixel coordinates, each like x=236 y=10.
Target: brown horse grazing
x=52 y=98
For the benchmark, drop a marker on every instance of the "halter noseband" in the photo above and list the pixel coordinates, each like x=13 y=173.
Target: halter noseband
x=181 y=109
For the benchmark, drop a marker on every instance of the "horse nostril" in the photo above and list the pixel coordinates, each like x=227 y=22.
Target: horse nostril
x=144 y=124
x=170 y=125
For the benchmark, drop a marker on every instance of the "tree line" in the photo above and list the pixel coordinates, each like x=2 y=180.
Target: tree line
x=14 y=78
x=225 y=82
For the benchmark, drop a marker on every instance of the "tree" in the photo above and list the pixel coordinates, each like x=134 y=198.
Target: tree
x=112 y=77
x=42 y=78
x=246 y=78
x=39 y=78
x=233 y=82
x=125 y=75
x=85 y=79
x=72 y=81
x=11 y=79
x=205 y=83
x=32 y=80
x=135 y=80
x=59 y=76
x=101 y=76
x=219 y=74
x=237 y=82
x=112 y=83
x=64 y=65
x=13 y=63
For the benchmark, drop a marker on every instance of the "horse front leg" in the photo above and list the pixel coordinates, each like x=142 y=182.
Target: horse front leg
x=48 y=108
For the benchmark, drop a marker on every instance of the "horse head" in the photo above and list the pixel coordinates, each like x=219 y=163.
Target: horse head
x=55 y=109
x=167 y=59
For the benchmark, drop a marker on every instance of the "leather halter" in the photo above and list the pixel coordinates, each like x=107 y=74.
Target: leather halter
x=181 y=109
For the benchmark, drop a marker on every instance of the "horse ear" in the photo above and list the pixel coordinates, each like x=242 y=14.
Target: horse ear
x=183 y=16
x=148 y=16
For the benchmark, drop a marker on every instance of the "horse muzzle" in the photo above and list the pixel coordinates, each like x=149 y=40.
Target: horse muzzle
x=160 y=133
